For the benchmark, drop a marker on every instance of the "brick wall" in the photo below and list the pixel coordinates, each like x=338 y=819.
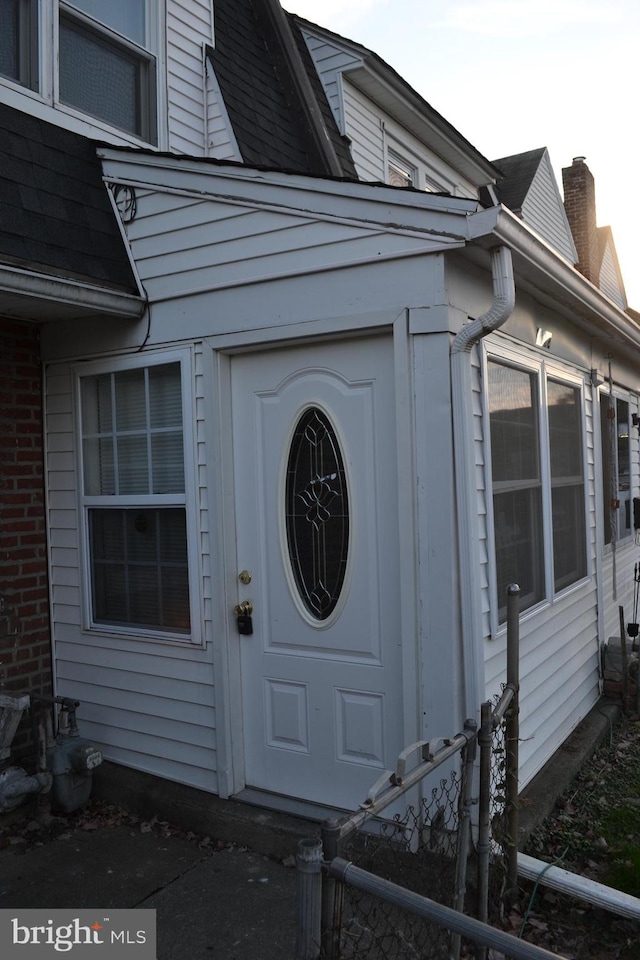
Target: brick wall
x=25 y=654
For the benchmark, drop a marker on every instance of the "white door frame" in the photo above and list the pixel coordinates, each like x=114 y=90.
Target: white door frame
x=227 y=592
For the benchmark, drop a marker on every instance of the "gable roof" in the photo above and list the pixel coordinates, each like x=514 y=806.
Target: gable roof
x=610 y=276
x=273 y=96
x=55 y=215
x=530 y=190
x=518 y=172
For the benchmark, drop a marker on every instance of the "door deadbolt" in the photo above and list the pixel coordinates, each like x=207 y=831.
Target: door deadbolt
x=244 y=577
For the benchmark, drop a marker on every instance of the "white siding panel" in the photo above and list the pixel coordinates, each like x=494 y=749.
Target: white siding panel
x=364 y=129
x=330 y=61
x=609 y=280
x=146 y=704
x=188 y=28
x=543 y=210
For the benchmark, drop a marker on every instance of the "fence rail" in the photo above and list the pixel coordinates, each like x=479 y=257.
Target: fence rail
x=381 y=884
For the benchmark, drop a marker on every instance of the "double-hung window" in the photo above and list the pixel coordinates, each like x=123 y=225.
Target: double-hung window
x=535 y=424
x=19 y=41
x=616 y=467
x=133 y=485
x=105 y=67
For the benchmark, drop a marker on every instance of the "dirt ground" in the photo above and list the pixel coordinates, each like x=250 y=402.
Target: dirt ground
x=594 y=831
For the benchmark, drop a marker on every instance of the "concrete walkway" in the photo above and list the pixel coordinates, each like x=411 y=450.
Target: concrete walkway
x=230 y=904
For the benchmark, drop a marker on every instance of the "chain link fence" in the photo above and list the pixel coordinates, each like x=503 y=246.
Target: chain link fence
x=421 y=829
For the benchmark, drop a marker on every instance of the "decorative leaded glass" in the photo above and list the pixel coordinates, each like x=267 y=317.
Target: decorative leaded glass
x=317 y=513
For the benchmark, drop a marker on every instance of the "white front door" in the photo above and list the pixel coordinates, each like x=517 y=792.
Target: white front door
x=317 y=530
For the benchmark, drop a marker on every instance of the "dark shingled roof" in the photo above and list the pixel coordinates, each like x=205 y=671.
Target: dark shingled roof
x=518 y=172
x=55 y=215
x=264 y=108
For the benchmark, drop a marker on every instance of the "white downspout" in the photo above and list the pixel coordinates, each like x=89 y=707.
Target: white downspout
x=465 y=472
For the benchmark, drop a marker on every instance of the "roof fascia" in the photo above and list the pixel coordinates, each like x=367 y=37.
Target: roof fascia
x=392 y=207
x=498 y=225
x=40 y=290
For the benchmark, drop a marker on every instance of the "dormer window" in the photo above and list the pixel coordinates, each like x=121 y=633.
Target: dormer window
x=400 y=173
x=106 y=69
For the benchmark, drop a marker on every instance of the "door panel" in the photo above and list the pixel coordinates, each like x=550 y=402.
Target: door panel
x=321 y=694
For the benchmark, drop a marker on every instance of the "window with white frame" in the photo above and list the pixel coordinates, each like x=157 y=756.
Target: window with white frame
x=616 y=467
x=400 y=172
x=134 y=499
x=105 y=66
x=19 y=41
x=537 y=469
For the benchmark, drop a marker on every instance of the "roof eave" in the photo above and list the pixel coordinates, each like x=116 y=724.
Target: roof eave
x=37 y=296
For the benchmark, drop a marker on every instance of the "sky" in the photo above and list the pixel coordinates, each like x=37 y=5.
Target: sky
x=515 y=75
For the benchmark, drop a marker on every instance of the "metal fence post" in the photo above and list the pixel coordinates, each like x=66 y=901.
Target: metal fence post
x=332 y=893
x=309 y=894
x=513 y=737
x=485 y=741
x=464 y=826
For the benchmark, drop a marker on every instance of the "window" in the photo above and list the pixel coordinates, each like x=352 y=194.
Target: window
x=527 y=474
x=616 y=463
x=567 y=483
x=517 y=486
x=400 y=173
x=105 y=70
x=134 y=499
x=19 y=41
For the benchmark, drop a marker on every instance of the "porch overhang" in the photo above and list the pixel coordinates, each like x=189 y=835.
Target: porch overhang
x=40 y=297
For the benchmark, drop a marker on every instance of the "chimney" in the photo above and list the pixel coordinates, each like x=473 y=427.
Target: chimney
x=580 y=207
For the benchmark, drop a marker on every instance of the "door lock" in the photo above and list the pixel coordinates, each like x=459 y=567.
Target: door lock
x=244 y=619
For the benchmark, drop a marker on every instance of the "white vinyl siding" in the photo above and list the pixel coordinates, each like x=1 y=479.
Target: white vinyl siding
x=147 y=703
x=330 y=62
x=609 y=280
x=543 y=211
x=188 y=28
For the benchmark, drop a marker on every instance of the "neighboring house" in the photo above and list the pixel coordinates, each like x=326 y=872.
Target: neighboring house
x=298 y=356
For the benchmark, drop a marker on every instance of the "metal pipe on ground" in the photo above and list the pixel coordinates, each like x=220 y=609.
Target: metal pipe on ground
x=590 y=891
x=436 y=913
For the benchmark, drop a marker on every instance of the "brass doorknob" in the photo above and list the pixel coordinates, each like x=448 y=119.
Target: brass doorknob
x=244 y=577
x=244 y=609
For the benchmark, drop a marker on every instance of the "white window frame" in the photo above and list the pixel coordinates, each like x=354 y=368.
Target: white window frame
x=543 y=370
x=188 y=500
x=617 y=395
x=42 y=94
x=143 y=55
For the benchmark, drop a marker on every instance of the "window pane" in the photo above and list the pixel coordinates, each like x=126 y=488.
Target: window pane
x=565 y=430
x=100 y=78
x=567 y=483
x=99 y=474
x=125 y=16
x=624 y=475
x=9 y=39
x=139 y=569
x=96 y=404
x=518 y=525
x=569 y=546
x=607 y=427
x=514 y=424
x=168 y=463
x=165 y=398
x=131 y=400
x=133 y=465
x=517 y=490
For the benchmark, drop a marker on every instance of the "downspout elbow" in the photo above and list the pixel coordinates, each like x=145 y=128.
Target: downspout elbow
x=502 y=306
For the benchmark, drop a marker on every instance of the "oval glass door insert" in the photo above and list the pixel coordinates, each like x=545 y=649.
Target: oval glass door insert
x=317 y=513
